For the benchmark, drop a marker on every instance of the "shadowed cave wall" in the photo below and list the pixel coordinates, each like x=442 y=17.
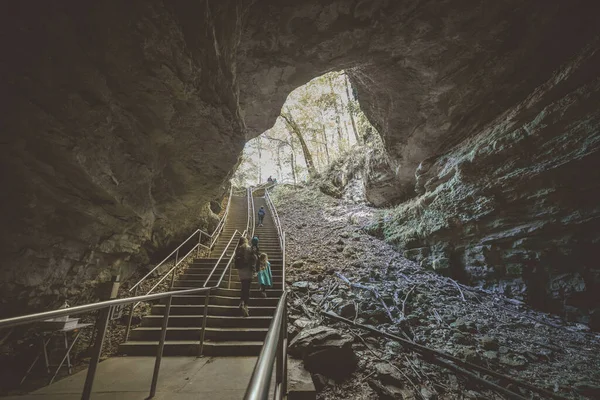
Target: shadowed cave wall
x=121 y=121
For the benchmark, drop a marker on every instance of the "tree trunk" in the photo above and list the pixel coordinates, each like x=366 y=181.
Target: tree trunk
x=305 y=151
x=323 y=131
x=259 y=146
x=337 y=113
x=279 y=170
x=346 y=80
x=293 y=162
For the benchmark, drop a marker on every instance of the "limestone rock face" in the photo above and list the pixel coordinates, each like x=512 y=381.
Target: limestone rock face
x=117 y=131
x=121 y=121
x=515 y=208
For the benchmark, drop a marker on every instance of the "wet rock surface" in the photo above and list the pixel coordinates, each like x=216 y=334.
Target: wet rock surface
x=396 y=295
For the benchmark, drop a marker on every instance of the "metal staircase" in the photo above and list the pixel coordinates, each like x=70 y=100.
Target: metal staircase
x=212 y=324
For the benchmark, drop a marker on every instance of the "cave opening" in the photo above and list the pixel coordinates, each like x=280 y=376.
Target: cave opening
x=319 y=123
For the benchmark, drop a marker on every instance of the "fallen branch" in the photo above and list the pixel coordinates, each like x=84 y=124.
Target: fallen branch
x=406 y=298
x=434 y=356
x=462 y=295
x=372 y=290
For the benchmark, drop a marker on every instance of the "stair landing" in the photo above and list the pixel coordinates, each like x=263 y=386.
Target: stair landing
x=180 y=378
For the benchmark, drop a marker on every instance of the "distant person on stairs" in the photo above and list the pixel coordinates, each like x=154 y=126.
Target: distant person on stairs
x=270 y=180
x=245 y=260
x=265 y=277
x=261 y=215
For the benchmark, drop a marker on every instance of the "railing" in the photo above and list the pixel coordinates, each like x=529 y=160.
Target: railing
x=274 y=351
x=106 y=309
x=275 y=216
x=231 y=241
x=177 y=261
x=251 y=214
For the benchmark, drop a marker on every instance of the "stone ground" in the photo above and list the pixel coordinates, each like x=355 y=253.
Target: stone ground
x=180 y=378
x=326 y=243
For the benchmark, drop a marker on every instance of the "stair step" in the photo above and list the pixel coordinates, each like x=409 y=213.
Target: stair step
x=212 y=321
x=191 y=348
x=213 y=310
x=225 y=301
x=235 y=284
x=149 y=333
x=202 y=277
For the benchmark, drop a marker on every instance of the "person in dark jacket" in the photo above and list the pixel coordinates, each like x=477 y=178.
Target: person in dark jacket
x=245 y=262
x=261 y=215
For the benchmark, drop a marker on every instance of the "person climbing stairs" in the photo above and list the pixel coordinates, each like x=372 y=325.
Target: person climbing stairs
x=228 y=332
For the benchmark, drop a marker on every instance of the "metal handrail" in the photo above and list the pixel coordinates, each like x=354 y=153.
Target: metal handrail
x=172 y=272
x=213 y=237
x=274 y=349
x=222 y=254
x=221 y=224
x=275 y=217
x=200 y=231
x=106 y=309
x=252 y=213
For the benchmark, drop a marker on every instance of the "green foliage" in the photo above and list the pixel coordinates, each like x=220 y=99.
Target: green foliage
x=326 y=116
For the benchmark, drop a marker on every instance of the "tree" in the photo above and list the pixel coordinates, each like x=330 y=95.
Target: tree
x=294 y=128
x=350 y=108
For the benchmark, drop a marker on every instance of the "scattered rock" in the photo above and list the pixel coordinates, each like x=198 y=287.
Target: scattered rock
x=325 y=351
x=460 y=338
x=297 y=264
x=513 y=360
x=389 y=375
x=302 y=285
x=489 y=343
x=305 y=322
x=490 y=355
x=347 y=310
x=388 y=392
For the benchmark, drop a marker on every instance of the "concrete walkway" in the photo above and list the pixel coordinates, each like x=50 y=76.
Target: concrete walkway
x=224 y=378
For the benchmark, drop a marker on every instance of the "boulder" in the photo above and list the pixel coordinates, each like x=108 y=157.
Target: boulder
x=347 y=310
x=325 y=351
x=489 y=343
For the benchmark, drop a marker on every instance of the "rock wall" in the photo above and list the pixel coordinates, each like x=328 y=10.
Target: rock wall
x=122 y=120
x=119 y=125
x=516 y=208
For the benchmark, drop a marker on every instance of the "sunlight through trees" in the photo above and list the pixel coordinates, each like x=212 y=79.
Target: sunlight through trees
x=319 y=121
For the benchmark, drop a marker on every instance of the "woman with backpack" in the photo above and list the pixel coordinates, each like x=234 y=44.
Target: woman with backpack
x=245 y=260
x=265 y=277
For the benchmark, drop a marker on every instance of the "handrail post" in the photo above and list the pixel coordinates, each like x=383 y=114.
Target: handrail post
x=279 y=359
x=285 y=344
x=204 y=318
x=103 y=317
x=229 y=283
x=199 y=241
x=131 y=309
x=161 y=346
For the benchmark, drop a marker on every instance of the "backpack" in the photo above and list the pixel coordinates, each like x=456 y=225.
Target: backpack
x=244 y=257
x=261 y=212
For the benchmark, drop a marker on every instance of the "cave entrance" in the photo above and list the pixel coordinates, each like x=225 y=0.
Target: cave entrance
x=320 y=122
